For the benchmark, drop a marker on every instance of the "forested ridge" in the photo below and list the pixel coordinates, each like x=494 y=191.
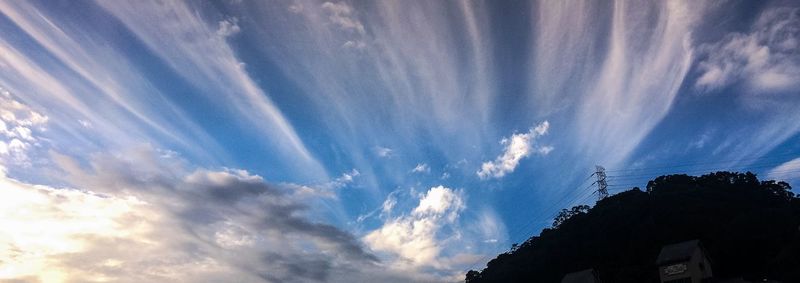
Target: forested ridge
x=748 y=227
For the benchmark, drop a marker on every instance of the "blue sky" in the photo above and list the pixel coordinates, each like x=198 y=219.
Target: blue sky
x=272 y=141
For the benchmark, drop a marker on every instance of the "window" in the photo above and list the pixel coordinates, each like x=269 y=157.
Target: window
x=675 y=269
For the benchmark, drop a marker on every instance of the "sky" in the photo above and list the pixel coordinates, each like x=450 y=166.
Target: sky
x=362 y=141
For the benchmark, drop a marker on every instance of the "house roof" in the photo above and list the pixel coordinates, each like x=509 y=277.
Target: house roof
x=677 y=252
x=583 y=276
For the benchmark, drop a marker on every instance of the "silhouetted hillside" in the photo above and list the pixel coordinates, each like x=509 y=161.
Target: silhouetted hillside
x=748 y=227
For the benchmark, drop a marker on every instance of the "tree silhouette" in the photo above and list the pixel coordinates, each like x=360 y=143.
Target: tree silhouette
x=566 y=214
x=748 y=227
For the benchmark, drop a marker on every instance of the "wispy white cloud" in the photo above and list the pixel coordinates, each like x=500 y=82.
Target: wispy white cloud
x=701 y=141
x=296 y=8
x=19 y=125
x=327 y=189
x=341 y=14
x=93 y=83
x=638 y=80
x=354 y=44
x=178 y=34
x=384 y=152
x=421 y=168
x=619 y=73
x=765 y=58
x=346 y=178
x=389 y=204
x=491 y=229
x=517 y=147
x=385 y=210
x=228 y=27
x=789 y=170
x=764 y=63
x=415 y=85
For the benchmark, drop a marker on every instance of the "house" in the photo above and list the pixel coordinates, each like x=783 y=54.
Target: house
x=684 y=262
x=583 y=276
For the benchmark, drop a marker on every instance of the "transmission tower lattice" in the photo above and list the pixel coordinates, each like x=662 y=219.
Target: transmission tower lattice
x=602 y=185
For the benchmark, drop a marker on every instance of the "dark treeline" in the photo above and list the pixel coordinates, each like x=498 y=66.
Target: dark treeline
x=748 y=227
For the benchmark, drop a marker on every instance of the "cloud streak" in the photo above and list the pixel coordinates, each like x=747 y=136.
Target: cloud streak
x=789 y=170
x=177 y=34
x=637 y=81
x=89 y=83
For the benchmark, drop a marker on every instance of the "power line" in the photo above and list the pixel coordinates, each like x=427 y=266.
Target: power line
x=700 y=170
x=533 y=219
x=635 y=181
x=581 y=194
x=529 y=224
x=642 y=179
x=775 y=156
x=552 y=205
x=563 y=202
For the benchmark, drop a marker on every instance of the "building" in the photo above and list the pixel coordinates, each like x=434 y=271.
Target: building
x=583 y=276
x=684 y=262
